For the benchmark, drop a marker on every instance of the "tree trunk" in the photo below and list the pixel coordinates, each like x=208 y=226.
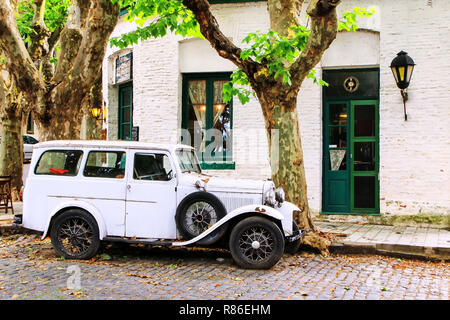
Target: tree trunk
x=287 y=165
x=93 y=128
x=11 y=147
x=64 y=126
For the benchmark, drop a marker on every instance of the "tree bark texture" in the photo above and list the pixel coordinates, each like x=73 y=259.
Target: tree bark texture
x=11 y=147
x=57 y=96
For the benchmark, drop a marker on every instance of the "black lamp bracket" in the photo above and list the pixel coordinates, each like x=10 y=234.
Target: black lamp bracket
x=404 y=93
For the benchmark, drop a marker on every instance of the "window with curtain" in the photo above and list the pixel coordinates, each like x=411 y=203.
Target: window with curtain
x=208 y=119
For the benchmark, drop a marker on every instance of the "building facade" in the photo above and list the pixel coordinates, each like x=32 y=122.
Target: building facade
x=360 y=155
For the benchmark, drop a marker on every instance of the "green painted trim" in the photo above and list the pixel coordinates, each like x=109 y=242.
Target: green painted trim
x=124 y=11
x=349 y=213
x=218 y=166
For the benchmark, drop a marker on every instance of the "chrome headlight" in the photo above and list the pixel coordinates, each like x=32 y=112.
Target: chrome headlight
x=269 y=195
x=279 y=195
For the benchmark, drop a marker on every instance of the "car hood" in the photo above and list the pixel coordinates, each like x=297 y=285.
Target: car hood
x=219 y=184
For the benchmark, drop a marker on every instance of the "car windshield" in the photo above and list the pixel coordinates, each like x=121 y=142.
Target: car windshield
x=188 y=161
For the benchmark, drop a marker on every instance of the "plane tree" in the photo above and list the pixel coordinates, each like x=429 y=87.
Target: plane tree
x=51 y=55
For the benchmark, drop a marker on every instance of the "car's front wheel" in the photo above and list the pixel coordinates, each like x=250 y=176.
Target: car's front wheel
x=256 y=243
x=75 y=235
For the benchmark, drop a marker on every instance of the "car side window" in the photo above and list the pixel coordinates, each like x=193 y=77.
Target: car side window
x=152 y=166
x=31 y=140
x=105 y=164
x=59 y=162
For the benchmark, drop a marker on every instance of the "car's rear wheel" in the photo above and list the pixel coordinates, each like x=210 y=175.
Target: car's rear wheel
x=256 y=243
x=75 y=235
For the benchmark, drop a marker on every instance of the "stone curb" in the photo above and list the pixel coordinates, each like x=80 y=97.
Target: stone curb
x=395 y=250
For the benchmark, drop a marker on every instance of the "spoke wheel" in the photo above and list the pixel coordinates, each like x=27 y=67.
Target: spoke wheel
x=199 y=217
x=256 y=243
x=75 y=235
x=197 y=213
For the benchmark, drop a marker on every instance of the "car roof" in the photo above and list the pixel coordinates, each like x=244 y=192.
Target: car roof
x=109 y=144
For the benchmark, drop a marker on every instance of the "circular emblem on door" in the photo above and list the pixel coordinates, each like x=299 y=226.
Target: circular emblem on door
x=351 y=84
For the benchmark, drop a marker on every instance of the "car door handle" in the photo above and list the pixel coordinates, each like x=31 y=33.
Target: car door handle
x=129 y=187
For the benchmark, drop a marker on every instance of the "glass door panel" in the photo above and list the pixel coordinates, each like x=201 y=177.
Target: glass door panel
x=364 y=191
x=364 y=156
x=364 y=118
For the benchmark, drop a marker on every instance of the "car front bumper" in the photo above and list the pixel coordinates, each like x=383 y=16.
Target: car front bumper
x=298 y=234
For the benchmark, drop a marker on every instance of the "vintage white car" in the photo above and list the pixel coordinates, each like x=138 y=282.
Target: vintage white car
x=82 y=192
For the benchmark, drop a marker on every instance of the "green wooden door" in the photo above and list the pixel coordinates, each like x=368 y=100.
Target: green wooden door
x=364 y=157
x=351 y=157
x=125 y=111
x=336 y=186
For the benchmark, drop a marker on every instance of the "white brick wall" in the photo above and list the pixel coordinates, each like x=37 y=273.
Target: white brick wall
x=414 y=155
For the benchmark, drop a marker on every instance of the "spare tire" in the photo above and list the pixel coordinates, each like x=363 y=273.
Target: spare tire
x=198 y=212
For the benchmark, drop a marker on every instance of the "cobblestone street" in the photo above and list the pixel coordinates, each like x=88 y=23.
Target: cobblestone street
x=29 y=269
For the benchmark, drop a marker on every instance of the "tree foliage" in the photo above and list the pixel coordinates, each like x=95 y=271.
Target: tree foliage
x=164 y=16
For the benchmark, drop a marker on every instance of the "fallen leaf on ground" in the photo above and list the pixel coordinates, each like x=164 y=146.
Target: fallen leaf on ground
x=143 y=276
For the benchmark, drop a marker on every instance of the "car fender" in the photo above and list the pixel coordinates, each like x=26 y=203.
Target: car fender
x=82 y=205
x=257 y=209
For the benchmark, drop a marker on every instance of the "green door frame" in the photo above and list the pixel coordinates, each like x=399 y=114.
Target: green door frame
x=349 y=174
x=374 y=173
x=122 y=90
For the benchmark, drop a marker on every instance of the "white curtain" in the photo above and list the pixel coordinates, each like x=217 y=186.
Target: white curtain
x=197 y=95
x=219 y=104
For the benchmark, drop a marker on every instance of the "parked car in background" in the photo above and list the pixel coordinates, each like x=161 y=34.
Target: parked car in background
x=83 y=192
x=28 y=142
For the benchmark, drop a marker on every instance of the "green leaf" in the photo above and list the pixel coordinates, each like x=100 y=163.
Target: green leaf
x=105 y=256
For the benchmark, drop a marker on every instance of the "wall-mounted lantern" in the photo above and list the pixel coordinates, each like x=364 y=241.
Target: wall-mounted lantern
x=96 y=112
x=402 y=67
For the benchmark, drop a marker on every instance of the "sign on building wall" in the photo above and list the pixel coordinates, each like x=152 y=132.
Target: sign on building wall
x=124 y=68
x=135 y=134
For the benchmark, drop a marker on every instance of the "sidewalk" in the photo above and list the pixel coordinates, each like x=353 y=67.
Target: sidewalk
x=413 y=242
